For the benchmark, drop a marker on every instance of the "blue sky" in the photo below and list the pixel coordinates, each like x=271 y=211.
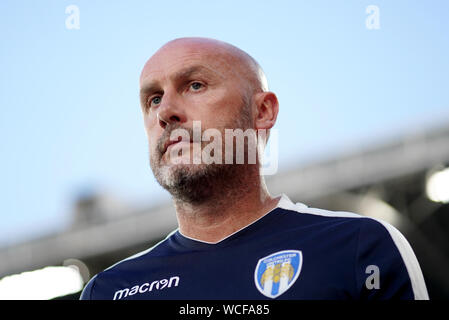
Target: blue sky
x=69 y=112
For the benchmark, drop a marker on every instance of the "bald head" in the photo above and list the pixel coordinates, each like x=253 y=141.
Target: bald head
x=191 y=80
x=231 y=60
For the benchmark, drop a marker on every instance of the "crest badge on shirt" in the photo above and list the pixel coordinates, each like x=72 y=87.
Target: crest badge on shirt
x=277 y=272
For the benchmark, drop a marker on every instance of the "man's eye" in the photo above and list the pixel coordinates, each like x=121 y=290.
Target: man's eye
x=196 y=85
x=154 y=101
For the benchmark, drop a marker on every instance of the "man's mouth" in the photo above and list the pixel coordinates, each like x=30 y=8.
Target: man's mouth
x=171 y=143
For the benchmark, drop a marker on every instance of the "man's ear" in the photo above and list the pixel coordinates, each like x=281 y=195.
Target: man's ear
x=266 y=110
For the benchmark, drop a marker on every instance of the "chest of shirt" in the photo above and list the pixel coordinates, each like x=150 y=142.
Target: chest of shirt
x=284 y=269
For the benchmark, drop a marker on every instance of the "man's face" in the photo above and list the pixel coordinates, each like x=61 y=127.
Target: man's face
x=183 y=83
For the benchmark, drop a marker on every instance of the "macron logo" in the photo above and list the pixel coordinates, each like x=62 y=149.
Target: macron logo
x=146 y=287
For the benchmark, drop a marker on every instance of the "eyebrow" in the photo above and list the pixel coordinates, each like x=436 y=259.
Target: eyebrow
x=153 y=86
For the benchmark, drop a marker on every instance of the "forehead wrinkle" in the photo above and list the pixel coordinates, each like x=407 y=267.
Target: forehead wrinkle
x=194 y=69
x=186 y=72
x=154 y=84
x=233 y=62
x=195 y=58
x=237 y=64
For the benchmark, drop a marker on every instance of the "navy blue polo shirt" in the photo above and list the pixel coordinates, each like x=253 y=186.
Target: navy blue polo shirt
x=292 y=252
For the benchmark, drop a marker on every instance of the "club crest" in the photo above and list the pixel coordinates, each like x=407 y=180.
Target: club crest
x=277 y=272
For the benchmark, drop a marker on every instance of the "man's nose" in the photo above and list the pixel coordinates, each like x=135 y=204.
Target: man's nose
x=170 y=111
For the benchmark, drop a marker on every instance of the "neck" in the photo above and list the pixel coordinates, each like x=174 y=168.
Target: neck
x=225 y=211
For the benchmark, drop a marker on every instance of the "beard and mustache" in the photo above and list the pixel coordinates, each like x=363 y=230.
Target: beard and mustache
x=198 y=183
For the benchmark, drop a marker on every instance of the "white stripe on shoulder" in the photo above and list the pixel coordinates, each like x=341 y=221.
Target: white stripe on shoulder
x=404 y=248
x=286 y=203
x=139 y=254
x=410 y=261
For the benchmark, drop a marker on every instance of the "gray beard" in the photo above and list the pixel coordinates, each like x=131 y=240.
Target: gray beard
x=200 y=183
x=196 y=184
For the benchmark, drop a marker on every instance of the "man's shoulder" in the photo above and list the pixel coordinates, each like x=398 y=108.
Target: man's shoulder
x=159 y=249
x=299 y=213
x=123 y=267
x=330 y=225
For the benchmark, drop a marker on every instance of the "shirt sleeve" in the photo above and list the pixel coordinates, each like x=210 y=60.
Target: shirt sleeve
x=87 y=291
x=386 y=266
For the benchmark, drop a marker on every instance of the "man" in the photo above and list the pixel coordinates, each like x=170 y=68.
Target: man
x=235 y=240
